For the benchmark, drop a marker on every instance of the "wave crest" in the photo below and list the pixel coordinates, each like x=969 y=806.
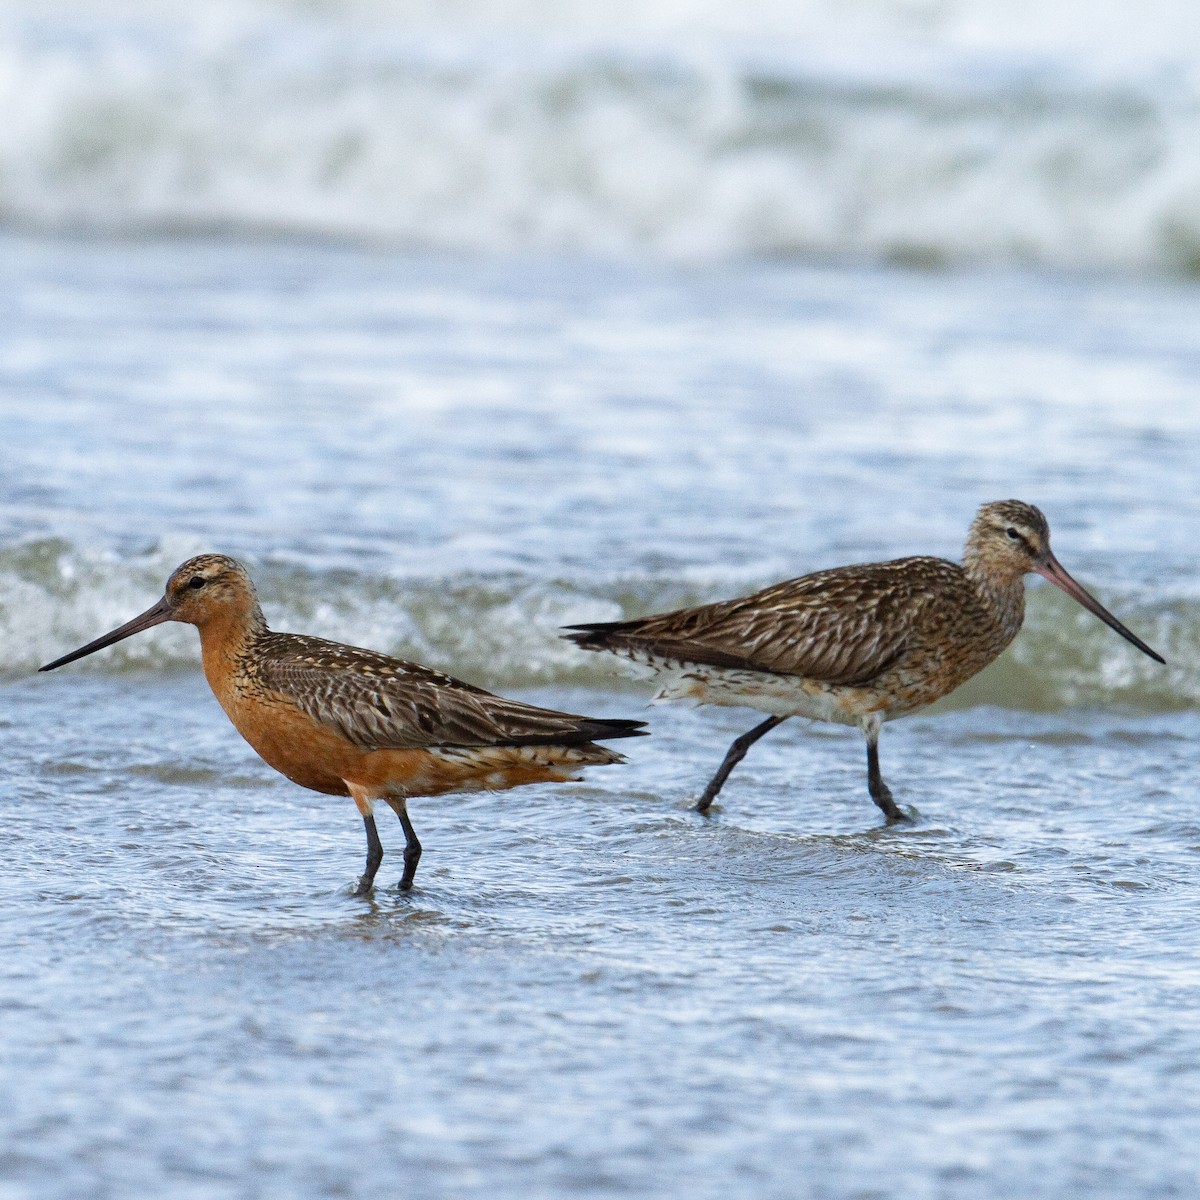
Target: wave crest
x=696 y=149
x=502 y=631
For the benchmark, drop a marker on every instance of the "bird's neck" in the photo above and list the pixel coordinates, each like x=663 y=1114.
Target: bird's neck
x=1001 y=590
x=226 y=640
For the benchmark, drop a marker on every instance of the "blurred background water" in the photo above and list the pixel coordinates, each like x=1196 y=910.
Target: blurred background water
x=462 y=322
x=926 y=131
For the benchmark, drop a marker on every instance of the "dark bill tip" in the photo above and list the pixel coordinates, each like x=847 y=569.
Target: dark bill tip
x=152 y=616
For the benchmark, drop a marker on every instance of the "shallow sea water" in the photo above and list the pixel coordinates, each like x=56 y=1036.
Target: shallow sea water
x=592 y=991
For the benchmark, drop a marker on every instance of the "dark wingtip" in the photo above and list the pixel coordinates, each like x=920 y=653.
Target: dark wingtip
x=583 y=730
x=591 y=637
x=619 y=729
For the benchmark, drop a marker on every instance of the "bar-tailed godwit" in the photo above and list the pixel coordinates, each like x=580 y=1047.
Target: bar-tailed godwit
x=856 y=645
x=346 y=721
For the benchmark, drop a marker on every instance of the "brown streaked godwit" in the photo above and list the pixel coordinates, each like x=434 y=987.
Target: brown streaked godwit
x=346 y=721
x=856 y=645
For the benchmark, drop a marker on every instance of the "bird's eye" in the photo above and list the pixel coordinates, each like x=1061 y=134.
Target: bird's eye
x=1012 y=534
x=197 y=581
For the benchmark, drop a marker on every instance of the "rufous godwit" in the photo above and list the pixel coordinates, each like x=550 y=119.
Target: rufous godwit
x=857 y=645
x=346 y=721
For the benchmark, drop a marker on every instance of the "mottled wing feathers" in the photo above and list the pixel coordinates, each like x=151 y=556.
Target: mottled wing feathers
x=381 y=703
x=843 y=626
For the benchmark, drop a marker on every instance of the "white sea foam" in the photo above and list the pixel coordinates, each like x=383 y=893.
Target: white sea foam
x=505 y=631
x=1066 y=134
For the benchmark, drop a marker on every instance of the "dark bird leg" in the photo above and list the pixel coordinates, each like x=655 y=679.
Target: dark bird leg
x=374 y=856
x=736 y=753
x=880 y=792
x=412 y=847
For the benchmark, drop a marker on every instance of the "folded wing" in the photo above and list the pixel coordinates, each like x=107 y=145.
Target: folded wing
x=844 y=626
x=381 y=703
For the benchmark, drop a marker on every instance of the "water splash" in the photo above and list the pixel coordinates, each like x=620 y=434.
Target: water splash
x=932 y=137
x=502 y=630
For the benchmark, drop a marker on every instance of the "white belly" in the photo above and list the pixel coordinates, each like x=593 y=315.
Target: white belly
x=779 y=695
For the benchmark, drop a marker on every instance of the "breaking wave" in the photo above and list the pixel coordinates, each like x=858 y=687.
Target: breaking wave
x=935 y=134
x=502 y=631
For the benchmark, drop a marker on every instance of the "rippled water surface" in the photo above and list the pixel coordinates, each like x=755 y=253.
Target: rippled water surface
x=592 y=991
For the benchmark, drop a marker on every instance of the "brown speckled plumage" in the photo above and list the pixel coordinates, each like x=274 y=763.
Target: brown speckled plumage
x=347 y=721
x=857 y=645
x=376 y=702
x=855 y=627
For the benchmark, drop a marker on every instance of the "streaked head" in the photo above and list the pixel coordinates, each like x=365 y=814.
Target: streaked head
x=1010 y=538
x=206 y=587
